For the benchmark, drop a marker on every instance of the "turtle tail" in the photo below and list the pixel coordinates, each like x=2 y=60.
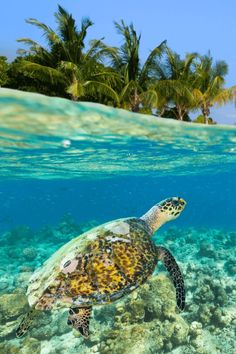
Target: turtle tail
x=25 y=323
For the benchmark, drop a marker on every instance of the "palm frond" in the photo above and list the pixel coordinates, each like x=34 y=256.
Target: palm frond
x=129 y=50
x=128 y=90
x=220 y=68
x=76 y=89
x=225 y=96
x=66 y=25
x=149 y=98
x=34 y=47
x=99 y=51
x=99 y=88
x=151 y=62
x=50 y=35
x=188 y=62
x=68 y=65
x=42 y=72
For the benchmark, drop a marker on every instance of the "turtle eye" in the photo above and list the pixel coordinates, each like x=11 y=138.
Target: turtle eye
x=175 y=203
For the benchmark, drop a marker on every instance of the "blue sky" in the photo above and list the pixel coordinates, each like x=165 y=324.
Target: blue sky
x=187 y=25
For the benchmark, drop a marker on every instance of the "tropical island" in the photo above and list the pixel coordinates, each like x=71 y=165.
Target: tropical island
x=164 y=84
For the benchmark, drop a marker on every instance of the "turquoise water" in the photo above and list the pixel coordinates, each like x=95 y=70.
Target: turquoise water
x=66 y=167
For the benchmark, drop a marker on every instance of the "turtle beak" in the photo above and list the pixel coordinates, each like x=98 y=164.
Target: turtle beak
x=182 y=201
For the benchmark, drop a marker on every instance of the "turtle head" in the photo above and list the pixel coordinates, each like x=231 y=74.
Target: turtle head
x=166 y=210
x=171 y=208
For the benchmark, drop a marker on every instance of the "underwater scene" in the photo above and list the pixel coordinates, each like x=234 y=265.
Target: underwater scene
x=66 y=168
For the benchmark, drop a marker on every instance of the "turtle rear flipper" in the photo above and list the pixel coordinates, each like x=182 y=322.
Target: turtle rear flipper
x=175 y=273
x=79 y=318
x=25 y=323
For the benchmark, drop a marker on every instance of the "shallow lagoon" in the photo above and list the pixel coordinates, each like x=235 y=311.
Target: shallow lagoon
x=66 y=167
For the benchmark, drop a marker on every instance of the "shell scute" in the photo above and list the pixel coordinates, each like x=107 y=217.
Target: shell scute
x=96 y=267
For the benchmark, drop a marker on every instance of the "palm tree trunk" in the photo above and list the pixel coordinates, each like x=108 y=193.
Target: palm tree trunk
x=161 y=112
x=74 y=96
x=206 y=113
x=135 y=102
x=180 y=113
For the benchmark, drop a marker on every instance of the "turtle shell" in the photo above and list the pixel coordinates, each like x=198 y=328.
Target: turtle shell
x=96 y=267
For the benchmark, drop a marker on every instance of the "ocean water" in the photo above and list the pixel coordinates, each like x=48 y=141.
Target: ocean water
x=66 y=167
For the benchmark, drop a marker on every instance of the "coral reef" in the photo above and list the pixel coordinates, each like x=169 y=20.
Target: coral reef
x=146 y=321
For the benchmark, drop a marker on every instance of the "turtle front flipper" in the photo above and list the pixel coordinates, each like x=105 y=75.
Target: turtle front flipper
x=175 y=273
x=79 y=319
x=25 y=323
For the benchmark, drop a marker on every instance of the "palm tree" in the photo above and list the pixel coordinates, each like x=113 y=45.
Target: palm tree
x=135 y=77
x=173 y=91
x=65 y=62
x=209 y=84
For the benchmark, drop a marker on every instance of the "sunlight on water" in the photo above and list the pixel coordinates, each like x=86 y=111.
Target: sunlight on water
x=66 y=167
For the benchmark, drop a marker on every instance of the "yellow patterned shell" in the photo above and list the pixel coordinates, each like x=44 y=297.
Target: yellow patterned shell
x=96 y=267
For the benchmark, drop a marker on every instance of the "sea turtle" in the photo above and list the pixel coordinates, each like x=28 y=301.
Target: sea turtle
x=102 y=265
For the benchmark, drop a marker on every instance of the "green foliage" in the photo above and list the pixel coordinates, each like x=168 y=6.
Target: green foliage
x=209 y=84
x=23 y=79
x=175 y=84
x=164 y=83
x=4 y=66
x=201 y=119
x=145 y=110
x=135 y=79
x=64 y=65
x=173 y=114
